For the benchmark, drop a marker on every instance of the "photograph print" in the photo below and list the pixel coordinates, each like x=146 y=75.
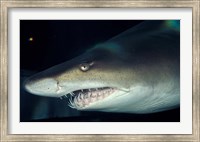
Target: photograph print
x=100 y=70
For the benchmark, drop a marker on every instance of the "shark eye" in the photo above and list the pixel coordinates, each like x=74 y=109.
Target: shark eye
x=84 y=67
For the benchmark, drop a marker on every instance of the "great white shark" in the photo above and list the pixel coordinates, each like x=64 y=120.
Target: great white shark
x=137 y=71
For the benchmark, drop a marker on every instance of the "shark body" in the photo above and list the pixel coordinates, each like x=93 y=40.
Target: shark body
x=137 y=71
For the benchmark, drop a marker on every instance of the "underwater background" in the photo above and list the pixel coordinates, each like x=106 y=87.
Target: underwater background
x=45 y=43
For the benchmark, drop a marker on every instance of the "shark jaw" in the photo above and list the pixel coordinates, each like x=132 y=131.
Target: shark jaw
x=87 y=99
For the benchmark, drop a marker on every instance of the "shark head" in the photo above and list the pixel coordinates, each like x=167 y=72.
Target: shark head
x=91 y=80
x=135 y=72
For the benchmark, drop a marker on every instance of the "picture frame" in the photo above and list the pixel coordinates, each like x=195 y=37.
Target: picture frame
x=5 y=5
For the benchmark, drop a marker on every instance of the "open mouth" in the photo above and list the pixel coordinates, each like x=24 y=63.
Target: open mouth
x=83 y=98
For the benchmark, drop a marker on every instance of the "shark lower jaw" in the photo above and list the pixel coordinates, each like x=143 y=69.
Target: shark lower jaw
x=81 y=99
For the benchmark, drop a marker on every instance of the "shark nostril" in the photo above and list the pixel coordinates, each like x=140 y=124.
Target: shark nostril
x=58 y=88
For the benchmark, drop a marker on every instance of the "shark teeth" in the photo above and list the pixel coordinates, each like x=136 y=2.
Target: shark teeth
x=82 y=98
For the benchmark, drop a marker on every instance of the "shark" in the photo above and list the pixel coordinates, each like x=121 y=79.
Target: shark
x=137 y=71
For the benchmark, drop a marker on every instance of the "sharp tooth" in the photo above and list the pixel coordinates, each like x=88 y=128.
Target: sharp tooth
x=70 y=100
x=93 y=95
x=61 y=97
x=71 y=106
x=78 y=98
x=82 y=96
x=86 y=101
x=80 y=104
x=66 y=96
x=86 y=96
x=93 y=99
x=89 y=97
x=98 y=94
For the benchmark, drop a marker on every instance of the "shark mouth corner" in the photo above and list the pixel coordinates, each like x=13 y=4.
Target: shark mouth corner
x=80 y=99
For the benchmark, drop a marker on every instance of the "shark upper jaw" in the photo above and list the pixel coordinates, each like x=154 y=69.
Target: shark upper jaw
x=81 y=98
x=93 y=98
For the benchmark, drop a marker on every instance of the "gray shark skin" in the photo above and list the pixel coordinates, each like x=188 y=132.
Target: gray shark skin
x=138 y=71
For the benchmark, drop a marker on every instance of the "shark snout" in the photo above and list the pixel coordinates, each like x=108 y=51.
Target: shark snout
x=43 y=87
